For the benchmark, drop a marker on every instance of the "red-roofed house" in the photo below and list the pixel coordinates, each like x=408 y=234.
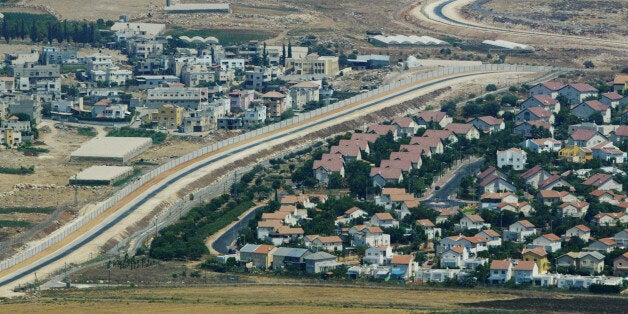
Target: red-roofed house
x=495 y=184
x=610 y=219
x=550 y=242
x=407 y=126
x=620 y=135
x=454 y=257
x=431 y=231
x=384 y=220
x=327 y=166
x=426 y=118
x=442 y=135
x=546 y=88
x=488 y=124
x=554 y=181
x=585 y=138
x=435 y=145
x=349 y=152
x=402 y=266
x=534 y=176
x=608 y=152
x=620 y=265
x=380 y=176
x=574 y=209
x=544 y=101
x=473 y=222
x=581 y=231
x=526 y=128
x=577 y=92
x=492 y=237
x=501 y=272
x=383 y=130
x=468 y=131
x=525 y=271
x=613 y=99
x=369 y=236
x=415 y=159
x=330 y=244
x=585 y=109
x=603 y=181
x=369 y=137
x=552 y=196
x=519 y=230
x=534 y=114
x=473 y=244
x=520 y=207
x=604 y=245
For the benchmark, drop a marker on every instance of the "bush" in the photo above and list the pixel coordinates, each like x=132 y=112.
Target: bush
x=601 y=288
x=158 y=137
x=21 y=170
x=491 y=87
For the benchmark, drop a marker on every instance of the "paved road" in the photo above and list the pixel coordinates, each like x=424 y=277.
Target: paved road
x=439 y=12
x=90 y=235
x=223 y=243
x=441 y=198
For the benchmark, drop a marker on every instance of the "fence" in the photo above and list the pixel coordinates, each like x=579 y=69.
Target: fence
x=409 y=84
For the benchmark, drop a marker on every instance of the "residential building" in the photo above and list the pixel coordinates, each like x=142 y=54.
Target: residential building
x=620 y=265
x=621 y=238
x=591 y=262
x=426 y=119
x=512 y=157
x=574 y=209
x=550 y=88
x=610 y=219
x=406 y=125
x=577 y=92
x=548 y=197
x=431 y=231
x=384 y=220
x=613 y=99
x=240 y=100
x=327 y=166
x=473 y=222
x=528 y=128
x=608 y=152
x=384 y=129
x=303 y=93
x=586 y=109
x=604 y=245
x=554 y=181
x=521 y=207
x=330 y=243
x=320 y=262
x=468 y=131
x=186 y=97
x=620 y=135
x=380 y=176
x=290 y=258
x=550 y=242
x=492 y=237
x=542 y=145
x=581 y=231
x=492 y=200
x=349 y=215
x=275 y=103
x=495 y=184
x=10 y=137
x=604 y=182
x=500 y=271
x=313 y=64
x=255 y=115
x=576 y=154
x=519 y=231
x=260 y=255
x=538 y=255
x=378 y=255
x=544 y=101
x=473 y=244
x=488 y=124
x=525 y=271
x=535 y=175
x=534 y=114
x=586 y=138
x=370 y=236
x=402 y=266
x=168 y=116
x=620 y=83
x=454 y=257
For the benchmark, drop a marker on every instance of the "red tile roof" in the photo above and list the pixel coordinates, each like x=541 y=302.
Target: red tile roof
x=612 y=96
x=531 y=172
x=369 y=137
x=486 y=172
x=582 y=87
x=404 y=122
x=551 y=237
x=490 y=120
x=382 y=129
x=386 y=173
x=583 y=228
x=384 y=216
x=440 y=134
x=330 y=239
x=538 y=251
x=622 y=131
x=500 y=264
x=401 y=259
x=525 y=265
x=460 y=128
x=264 y=249
x=474 y=217
x=330 y=162
x=490 y=232
x=553 y=85
x=457 y=249
x=526 y=223
x=597 y=179
x=539 y=112
x=545 y=100
x=435 y=116
x=596 y=105
x=583 y=135
x=425 y=223
x=608 y=241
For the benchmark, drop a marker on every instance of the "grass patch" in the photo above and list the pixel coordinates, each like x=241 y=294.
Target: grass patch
x=225 y=36
x=86 y=131
x=158 y=137
x=14 y=223
x=21 y=170
x=27 y=210
x=135 y=173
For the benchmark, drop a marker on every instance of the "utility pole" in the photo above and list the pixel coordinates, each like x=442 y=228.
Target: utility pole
x=235 y=185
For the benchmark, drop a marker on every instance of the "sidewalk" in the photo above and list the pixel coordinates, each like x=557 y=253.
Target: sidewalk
x=447 y=176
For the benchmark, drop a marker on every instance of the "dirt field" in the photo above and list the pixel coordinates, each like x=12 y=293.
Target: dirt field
x=312 y=299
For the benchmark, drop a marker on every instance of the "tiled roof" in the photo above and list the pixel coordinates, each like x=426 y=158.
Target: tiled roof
x=435 y=116
x=490 y=120
x=490 y=232
x=404 y=122
x=264 y=249
x=582 y=87
x=392 y=191
x=330 y=239
x=583 y=135
x=330 y=162
x=531 y=172
x=612 y=96
x=474 y=217
x=382 y=129
x=460 y=128
x=526 y=223
x=545 y=100
x=500 y=264
x=539 y=112
x=401 y=259
x=369 y=137
x=384 y=216
x=457 y=249
x=386 y=173
x=486 y=172
x=622 y=131
x=596 y=105
x=553 y=85
x=538 y=251
x=597 y=179
x=525 y=265
x=425 y=223
x=583 y=228
x=551 y=237
x=608 y=241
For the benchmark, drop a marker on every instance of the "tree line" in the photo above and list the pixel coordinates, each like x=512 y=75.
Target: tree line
x=46 y=28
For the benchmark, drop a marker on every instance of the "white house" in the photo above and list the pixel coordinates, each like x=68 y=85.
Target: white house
x=608 y=152
x=349 y=215
x=519 y=230
x=534 y=114
x=621 y=238
x=524 y=271
x=550 y=242
x=512 y=157
x=488 y=124
x=604 y=245
x=574 y=209
x=542 y=145
x=544 y=101
x=431 y=231
x=378 y=255
x=402 y=266
x=612 y=99
x=330 y=243
x=500 y=271
x=370 y=236
x=610 y=219
x=384 y=220
x=473 y=244
x=604 y=182
x=535 y=175
x=492 y=237
x=327 y=166
x=586 y=138
x=550 y=88
x=581 y=231
x=473 y=222
x=454 y=257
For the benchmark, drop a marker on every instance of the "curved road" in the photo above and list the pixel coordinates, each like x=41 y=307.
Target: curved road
x=438 y=11
x=95 y=232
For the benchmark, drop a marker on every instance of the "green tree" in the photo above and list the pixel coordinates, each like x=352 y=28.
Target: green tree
x=357 y=174
x=289 y=49
x=491 y=87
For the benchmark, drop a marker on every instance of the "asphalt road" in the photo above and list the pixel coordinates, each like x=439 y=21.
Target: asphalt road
x=440 y=198
x=95 y=232
x=222 y=244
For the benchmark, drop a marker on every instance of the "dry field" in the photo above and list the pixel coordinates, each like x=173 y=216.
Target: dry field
x=309 y=298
